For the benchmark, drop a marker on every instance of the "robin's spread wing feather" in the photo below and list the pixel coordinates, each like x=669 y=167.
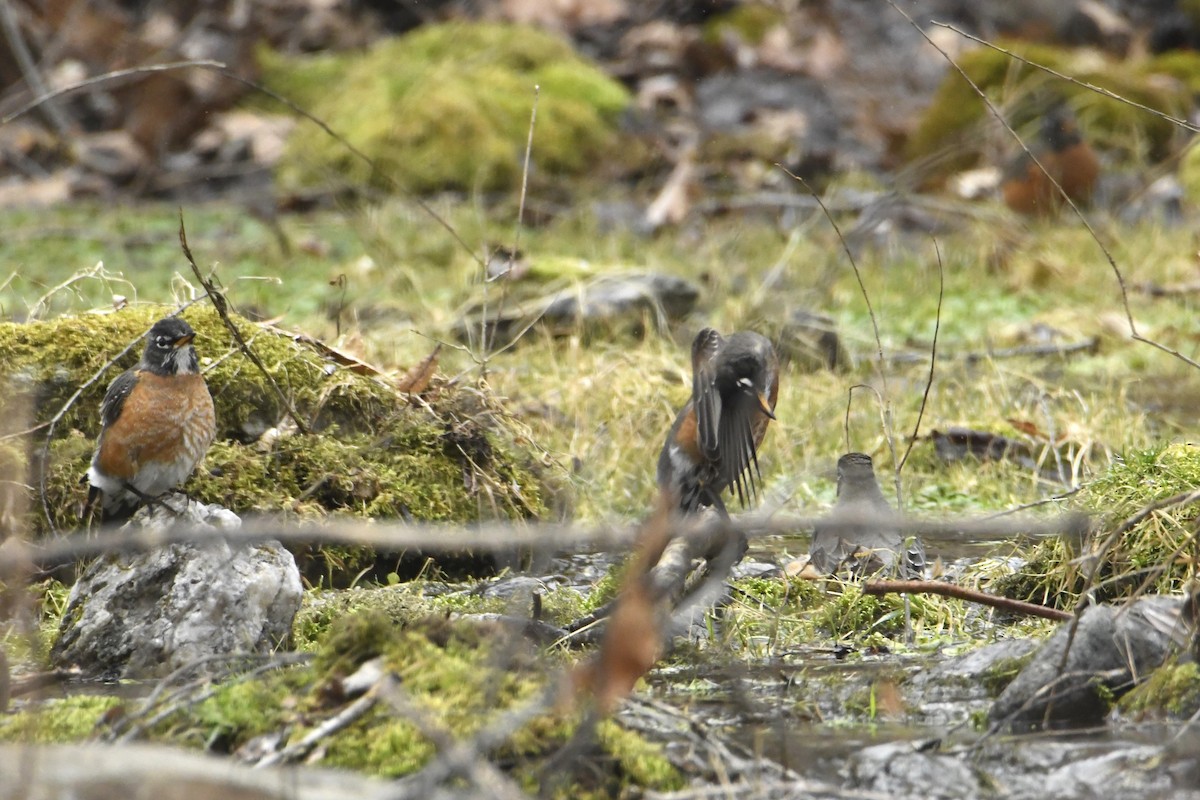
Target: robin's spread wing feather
x=739 y=457
x=705 y=397
x=115 y=397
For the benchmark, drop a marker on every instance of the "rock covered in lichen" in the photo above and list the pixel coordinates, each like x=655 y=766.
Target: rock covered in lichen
x=143 y=614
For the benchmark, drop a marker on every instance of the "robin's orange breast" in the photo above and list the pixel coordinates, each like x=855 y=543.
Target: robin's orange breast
x=165 y=419
x=687 y=437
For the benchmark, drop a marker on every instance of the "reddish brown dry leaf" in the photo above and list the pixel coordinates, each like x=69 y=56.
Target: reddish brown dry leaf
x=889 y=702
x=416 y=380
x=1027 y=428
x=632 y=644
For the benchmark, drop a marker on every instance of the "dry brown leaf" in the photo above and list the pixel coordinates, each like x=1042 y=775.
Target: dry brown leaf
x=632 y=645
x=328 y=351
x=1027 y=428
x=889 y=701
x=416 y=380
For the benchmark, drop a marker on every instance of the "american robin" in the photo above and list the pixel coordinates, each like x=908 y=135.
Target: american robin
x=871 y=544
x=1065 y=155
x=157 y=423
x=713 y=443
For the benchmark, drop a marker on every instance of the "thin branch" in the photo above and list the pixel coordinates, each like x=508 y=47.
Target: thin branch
x=937 y=326
x=963 y=593
x=33 y=79
x=222 y=69
x=1183 y=123
x=498 y=537
x=108 y=77
x=1112 y=263
x=218 y=301
x=884 y=404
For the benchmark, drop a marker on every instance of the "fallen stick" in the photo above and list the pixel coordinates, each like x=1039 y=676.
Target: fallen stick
x=962 y=593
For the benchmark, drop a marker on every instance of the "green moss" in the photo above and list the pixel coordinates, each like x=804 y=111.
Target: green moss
x=1189 y=173
x=372 y=453
x=1112 y=124
x=1001 y=674
x=1052 y=574
x=448 y=106
x=851 y=614
x=1172 y=689
x=750 y=21
x=642 y=763
x=69 y=719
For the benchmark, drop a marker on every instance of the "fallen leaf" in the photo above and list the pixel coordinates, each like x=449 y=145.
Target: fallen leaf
x=416 y=380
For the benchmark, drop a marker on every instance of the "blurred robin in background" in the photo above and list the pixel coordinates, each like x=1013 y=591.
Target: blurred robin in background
x=1065 y=156
x=713 y=444
x=861 y=533
x=157 y=423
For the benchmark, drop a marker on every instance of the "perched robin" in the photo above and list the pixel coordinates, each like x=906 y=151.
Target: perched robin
x=157 y=423
x=713 y=444
x=1066 y=157
x=871 y=544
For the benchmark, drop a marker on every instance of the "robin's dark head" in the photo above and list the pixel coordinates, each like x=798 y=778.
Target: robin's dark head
x=1059 y=129
x=169 y=349
x=747 y=363
x=855 y=471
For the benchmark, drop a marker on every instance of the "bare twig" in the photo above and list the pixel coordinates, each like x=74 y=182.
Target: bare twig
x=1183 y=123
x=218 y=301
x=1112 y=262
x=108 y=77
x=885 y=406
x=29 y=71
x=963 y=593
x=500 y=537
x=340 y=721
x=937 y=326
x=222 y=69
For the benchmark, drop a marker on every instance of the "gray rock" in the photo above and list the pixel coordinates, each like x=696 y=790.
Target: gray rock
x=1113 y=649
x=941 y=691
x=100 y=772
x=611 y=304
x=810 y=342
x=148 y=613
x=898 y=769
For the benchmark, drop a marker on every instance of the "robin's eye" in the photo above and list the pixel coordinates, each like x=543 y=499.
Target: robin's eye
x=162 y=341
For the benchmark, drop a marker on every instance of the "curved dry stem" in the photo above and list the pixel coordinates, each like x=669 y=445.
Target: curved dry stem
x=937 y=327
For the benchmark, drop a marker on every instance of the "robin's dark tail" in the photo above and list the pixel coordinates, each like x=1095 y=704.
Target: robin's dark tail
x=95 y=504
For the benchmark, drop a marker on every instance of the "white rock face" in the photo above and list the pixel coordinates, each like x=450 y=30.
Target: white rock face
x=145 y=614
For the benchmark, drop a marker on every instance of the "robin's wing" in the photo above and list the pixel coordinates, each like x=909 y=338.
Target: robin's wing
x=739 y=456
x=705 y=397
x=115 y=397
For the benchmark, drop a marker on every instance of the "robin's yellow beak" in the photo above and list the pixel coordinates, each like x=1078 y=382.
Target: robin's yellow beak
x=183 y=341
x=764 y=408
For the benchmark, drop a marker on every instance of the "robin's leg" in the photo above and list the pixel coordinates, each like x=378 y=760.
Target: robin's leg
x=149 y=500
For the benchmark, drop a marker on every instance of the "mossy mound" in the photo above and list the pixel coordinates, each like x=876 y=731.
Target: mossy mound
x=372 y=452
x=449 y=673
x=1173 y=690
x=1151 y=556
x=956 y=110
x=447 y=106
